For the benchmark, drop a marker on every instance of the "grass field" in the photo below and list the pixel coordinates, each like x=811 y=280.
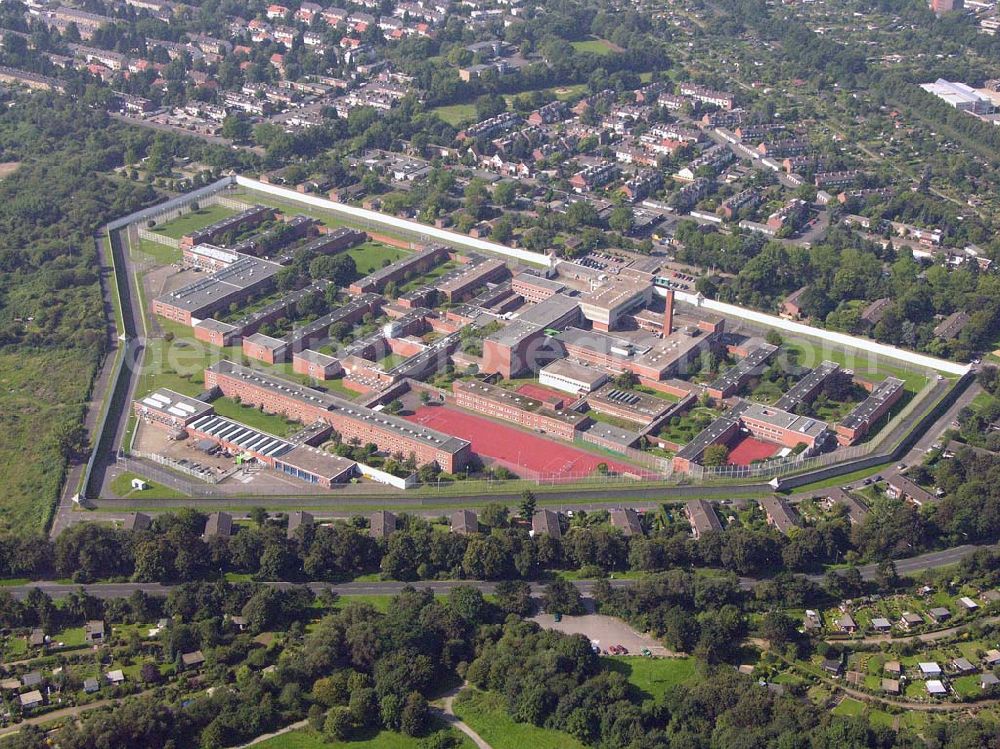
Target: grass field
x=849 y=707
x=158 y=253
x=652 y=676
x=308 y=739
x=455 y=114
x=596 y=46
x=372 y=256
x=865 y=364
x=486 y=714
x=40 y=392
x=122 y=486
x=279 y=426
x=189 y=222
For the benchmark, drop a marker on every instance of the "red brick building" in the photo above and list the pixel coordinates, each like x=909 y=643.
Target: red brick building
x=518 y=408
x=391 y=434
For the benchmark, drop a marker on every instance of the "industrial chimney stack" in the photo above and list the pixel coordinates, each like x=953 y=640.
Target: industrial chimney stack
x=668 y=314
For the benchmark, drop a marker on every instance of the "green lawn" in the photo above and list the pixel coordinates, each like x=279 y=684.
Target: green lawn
x=652 y=676
x=392 y=361
x=486 y=714
x=189 y=222
x=122 y=486
x=596 y=46
x=456 y=114
x=689 y=425
x=274 y=424
x=373 y=255
x=309 y=739
x=864 y=363
x=849 y=706
x=160 y=254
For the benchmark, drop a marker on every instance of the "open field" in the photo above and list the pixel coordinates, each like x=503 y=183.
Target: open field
x=486 y=714
x=274 y=424
x=865 y=365
x=596 y=46
x=455 y=114
x=373 y=255
x=652 y=676
x=122 y=486
x=308 y=739
x=41 y=395
x=192 y=221
x=160 y=254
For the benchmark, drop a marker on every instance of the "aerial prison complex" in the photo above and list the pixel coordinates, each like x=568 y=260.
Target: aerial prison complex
x=589 y=355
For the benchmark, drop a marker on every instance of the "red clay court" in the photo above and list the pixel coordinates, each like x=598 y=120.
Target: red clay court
x=746 y=449
x=541 y=393
x=514 y=448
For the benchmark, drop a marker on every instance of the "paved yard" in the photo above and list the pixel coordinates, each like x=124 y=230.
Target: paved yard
x=604 y=631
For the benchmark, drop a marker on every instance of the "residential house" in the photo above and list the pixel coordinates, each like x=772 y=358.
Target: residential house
x=193 y=660
x=929 y=670
x=219 y=524
x=31 y=700
x=464 y=522
x=383 y=524
x=900 y=487
x=297 y=520
x=881 y=624
x=115 y=677
x=847 y=624
x=546 y=522
x=909 y=620
x=939 y=614
x=812 y=622
x=963 y=666
x=627 y=521
x=890 y=686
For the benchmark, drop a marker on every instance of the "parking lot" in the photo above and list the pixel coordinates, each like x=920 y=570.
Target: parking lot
x=603 y=631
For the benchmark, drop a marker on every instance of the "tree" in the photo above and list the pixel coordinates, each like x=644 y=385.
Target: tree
x=773 y=337
x=621 y=219
x=495 y=515
x=415 y=716
x=514 y=597
x=338 y=724
x=527 y=505
x=778 y=629
x=259 y=516
x=715 y=455
x=562 y=597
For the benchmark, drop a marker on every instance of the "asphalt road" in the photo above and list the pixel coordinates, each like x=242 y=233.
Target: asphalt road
x=908 y=566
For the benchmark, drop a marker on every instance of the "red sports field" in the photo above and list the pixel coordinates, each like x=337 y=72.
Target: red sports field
x=541 y=393
x=746 y=449
x=522 y=452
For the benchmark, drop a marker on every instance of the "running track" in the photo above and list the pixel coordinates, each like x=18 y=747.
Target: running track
x=512 y=447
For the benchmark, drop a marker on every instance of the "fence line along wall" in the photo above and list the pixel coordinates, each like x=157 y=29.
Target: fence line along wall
x=160 y=210
x=152 y=236
x=414 y=227
x=841 y=339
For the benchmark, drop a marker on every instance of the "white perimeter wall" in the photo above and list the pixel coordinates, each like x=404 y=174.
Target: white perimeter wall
x=415 y=227
x=840 y=339
x=863 y=345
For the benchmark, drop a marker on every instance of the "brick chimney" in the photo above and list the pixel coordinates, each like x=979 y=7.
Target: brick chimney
x=668 y=314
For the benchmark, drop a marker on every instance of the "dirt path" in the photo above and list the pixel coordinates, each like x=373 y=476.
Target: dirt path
x=266 y=736
x=448 y=714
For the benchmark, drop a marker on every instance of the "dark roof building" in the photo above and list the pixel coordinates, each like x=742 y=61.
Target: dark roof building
x=546 y=522
x=219 y=524
x=627 y=521
x=383 y=524
x=464 y=522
